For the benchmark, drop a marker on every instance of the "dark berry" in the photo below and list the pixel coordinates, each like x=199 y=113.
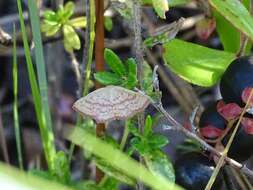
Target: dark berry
x=193 y=171
x=211 y=123
x=241 y=148
x=237 y=77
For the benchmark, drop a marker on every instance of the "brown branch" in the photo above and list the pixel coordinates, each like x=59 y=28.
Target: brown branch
x=99 y=58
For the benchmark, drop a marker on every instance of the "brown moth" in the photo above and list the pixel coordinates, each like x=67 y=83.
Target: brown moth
x=111 y=103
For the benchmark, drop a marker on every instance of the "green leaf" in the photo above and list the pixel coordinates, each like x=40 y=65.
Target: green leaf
x=160 y=164
x=108 y=78
x=50 y=30
x=68 y=9
x=161 y=6
x=157 y=141
x=148 y=125
x=110 y=184
x=236 y=14
x=11 y=178
x=71 y=39
x=139 y=145
x=108 y=23
x=119 y=160
x=113 y=172
x=50 y=15
x=197 y=64
x=132 y=129
x=62 y=170
x=79 y=22
x=114 y=62
x=131 y=79
x=229 y=35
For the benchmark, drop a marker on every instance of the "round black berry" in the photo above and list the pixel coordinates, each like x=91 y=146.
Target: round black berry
x=237 y=77
x=193 y=171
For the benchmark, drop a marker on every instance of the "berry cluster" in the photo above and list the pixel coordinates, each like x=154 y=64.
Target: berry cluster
x=218 y=121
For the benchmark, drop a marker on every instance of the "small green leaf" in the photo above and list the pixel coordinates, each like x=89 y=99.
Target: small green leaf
x=113 y=172
x=69 y=9
x=71 y=39
x=197 y=64
x=50 y=30
x=236 y=14
x=108 y=78
x=114 y=62
x=131 y=79
x=108 y=23
x=132 y=129
x=110 y=184
x=161 y=6
x=160 y=164
x=50 y=17
x=79 y=22
x=148 y=125
x=157 y=141
x=139 y=145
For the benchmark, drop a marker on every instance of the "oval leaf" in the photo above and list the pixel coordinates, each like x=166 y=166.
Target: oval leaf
x=114 y=62
x=107 y=78
x=236 y=14
x=160 y=6
x=197 y=64
x=160 y=164
x=71 y=37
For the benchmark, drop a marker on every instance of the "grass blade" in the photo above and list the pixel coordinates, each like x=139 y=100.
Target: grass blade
x=119 y=160
x=15 y=104
x=46 y=134
x=11 y=178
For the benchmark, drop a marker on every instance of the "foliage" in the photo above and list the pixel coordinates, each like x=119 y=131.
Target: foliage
x=61 y=20
x=195 y=63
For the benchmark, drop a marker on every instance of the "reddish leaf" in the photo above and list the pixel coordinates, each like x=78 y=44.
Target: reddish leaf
x=229 y=111
x=247 y=124
x=211 y=132
x=245 y=96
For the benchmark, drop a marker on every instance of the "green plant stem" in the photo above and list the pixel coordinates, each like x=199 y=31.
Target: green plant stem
x=124 y=137
x=15 y=103
x=89 y=45
x=87 y=59
x=46 y=134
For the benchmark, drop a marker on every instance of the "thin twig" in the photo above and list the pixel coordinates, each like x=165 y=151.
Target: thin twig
x=177 y=126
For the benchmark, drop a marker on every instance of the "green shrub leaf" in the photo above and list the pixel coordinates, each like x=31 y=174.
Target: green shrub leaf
x=197 y=64
x=160 y=164
x=79 y=22
x=108 y=23
x=160 y=6
x=114 y=62
x=236 y=14
x=108 y=78
x=71 y=39
x=131 y=79
x=157 y=141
